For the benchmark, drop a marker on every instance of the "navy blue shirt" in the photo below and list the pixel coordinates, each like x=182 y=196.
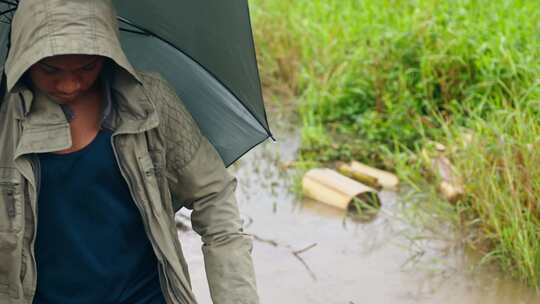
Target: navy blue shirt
x=91 y=246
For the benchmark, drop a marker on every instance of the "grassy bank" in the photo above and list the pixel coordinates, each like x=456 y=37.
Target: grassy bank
x=377 y=79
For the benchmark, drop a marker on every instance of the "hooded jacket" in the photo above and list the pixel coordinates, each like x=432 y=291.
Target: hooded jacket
x=166 y=161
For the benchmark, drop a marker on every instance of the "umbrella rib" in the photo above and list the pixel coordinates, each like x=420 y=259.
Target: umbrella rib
x=148 y=32
x=9 y=2
x=134 y=31
x=4 y=19
x=4 y=13
x=251 y=148
x=139 y=28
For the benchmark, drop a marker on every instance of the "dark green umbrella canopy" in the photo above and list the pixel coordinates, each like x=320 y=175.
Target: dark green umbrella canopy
x=205 y=50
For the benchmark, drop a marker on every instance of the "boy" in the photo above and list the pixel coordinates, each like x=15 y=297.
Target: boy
x=95 y=160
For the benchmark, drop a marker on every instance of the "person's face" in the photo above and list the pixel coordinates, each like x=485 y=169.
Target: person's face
x=66 y=77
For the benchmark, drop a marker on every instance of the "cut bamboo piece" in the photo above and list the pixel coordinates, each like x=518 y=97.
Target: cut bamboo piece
x=386 y=179
x=359 y=176
x=450 y=186
x=330 y=187
x=440 y=147
x=451 y=193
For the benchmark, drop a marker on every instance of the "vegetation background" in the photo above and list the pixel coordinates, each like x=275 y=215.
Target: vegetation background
x=381 y=80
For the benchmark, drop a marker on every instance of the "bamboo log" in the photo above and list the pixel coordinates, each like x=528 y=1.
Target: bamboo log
x=386 y=179
x=330 y=187
x=359 y=176
x=450 y=186
x=451 y=193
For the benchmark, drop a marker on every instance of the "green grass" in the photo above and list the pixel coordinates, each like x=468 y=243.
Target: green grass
x=502 y=177
x=377 y=79
x=374 y=71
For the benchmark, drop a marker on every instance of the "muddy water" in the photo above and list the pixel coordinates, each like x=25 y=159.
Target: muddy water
x=305 y=252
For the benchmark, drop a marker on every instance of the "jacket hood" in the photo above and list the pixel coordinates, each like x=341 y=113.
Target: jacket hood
x=44 y=28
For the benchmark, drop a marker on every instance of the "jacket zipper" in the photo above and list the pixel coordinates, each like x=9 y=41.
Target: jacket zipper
x=26 y=200
x=160 y=257
x=36 y=166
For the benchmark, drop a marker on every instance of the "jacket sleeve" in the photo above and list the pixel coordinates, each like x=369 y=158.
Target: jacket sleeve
x=207 y=188
x=198 y=180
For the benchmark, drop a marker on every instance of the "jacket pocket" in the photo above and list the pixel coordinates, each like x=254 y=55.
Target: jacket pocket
x=10 y=202
x=10 y=257
x=150 y=183
x=11 y=226
x=158 y=161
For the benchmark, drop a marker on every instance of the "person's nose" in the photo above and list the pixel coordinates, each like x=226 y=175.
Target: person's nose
x=68 y=85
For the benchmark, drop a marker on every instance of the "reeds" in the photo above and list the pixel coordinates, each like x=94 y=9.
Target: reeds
x=501 y=170
x=378 y=77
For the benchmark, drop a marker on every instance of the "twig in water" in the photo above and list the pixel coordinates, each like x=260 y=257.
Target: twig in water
x=295 y=253
x=311 y=273
x=260 y=239
x=305 y=249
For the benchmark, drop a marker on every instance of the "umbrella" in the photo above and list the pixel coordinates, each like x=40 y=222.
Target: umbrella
x=206 y=52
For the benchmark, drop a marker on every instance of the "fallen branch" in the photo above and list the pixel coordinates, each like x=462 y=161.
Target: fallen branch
x=311 y=273
x=295 y=253
x=183 y=220
x=271 y=242
x=305 y=249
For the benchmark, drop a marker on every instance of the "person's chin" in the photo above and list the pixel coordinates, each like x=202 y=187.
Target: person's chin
x=63 y=99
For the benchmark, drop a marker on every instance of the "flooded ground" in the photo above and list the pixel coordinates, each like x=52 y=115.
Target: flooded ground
x=305 y=252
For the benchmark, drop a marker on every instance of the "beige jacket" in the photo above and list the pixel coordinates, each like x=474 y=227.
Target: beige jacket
x=166 y=161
